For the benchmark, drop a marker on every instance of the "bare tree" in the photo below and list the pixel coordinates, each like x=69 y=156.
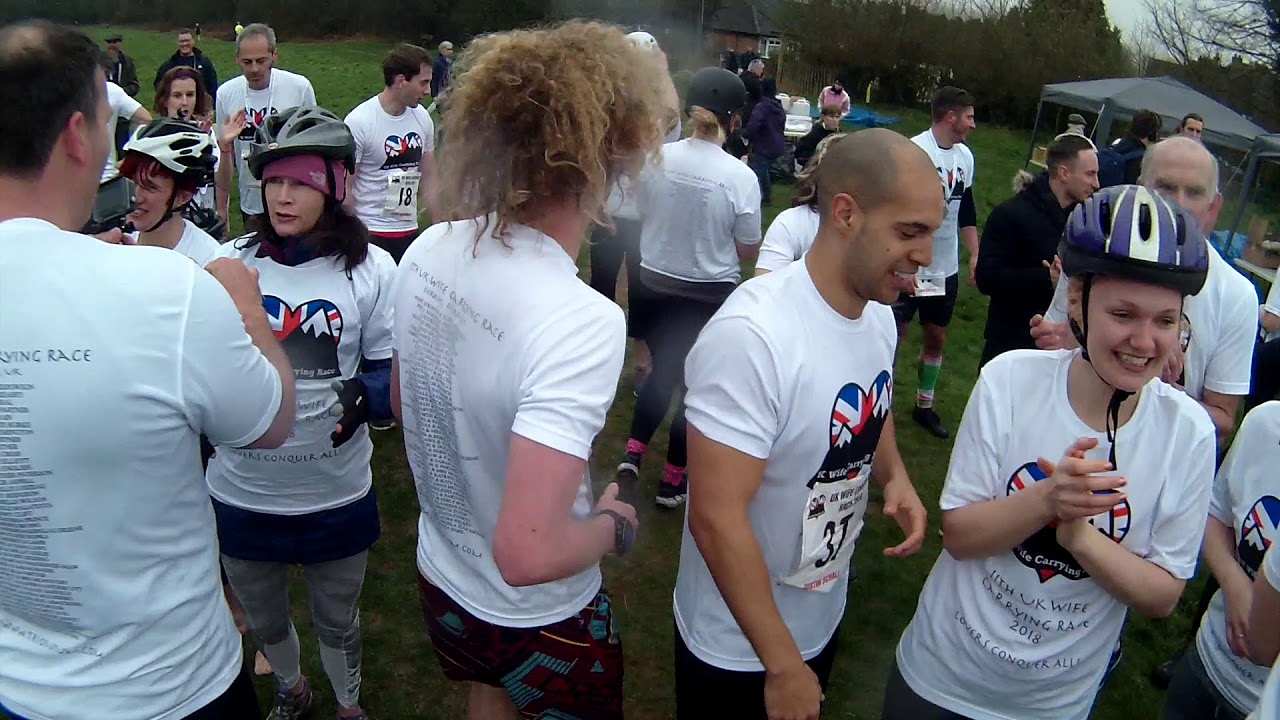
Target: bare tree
x=1191 y=29
x=1142 y=45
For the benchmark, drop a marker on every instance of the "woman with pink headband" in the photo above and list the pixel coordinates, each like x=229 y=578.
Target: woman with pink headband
x=311 y=502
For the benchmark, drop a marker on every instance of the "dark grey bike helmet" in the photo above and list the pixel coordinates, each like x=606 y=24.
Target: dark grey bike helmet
x=716 y=90
x=302 y=131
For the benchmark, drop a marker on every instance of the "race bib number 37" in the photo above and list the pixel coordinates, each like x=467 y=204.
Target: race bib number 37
x=832 y=522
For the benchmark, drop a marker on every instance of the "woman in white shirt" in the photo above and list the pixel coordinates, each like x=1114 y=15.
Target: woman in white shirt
x=791 y=233
x=167 y=161
x=701 y=210
x=311 y=503
x=1042 y=560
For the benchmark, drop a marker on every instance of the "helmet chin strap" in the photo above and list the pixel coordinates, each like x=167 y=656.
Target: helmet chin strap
x=169 y=210
x=1080 y=331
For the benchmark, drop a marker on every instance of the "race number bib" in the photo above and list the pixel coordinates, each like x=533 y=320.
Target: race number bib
x=832 y=521
x=402 y=195
x=927 y=286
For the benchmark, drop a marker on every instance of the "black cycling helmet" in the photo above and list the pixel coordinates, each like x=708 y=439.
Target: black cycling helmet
x=302 y=131
x=717 y=90
x=181 y=147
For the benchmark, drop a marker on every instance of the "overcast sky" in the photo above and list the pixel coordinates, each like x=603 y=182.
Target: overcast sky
x=1126 y=15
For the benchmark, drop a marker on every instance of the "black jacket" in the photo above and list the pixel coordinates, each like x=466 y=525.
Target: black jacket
x=1133 y=167
x=197 y=60
x=124 y=73
x=808 y=145
x=1020 y=235
x=754 y=92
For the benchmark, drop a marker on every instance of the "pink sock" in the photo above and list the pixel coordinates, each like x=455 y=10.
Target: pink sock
x=673 y=475
x=635 y=447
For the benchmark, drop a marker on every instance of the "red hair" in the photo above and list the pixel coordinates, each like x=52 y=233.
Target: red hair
x=141 y=169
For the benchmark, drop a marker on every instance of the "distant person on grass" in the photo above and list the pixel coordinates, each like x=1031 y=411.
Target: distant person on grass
x=793 y=230
x=327 y=292
x=122 y=71
x=181 y=95
x=395 y=176
x=1043 y=559
x=764 y=133
x=938 y=286
x=140 y=352
x=701 y=210
x=189 y=55
x=828 y=124
x=123 y=108
x=787 y=435
x=506 y=365
x=244 y=104
x=1020 y=242
x=835 y=94
x=440 y=69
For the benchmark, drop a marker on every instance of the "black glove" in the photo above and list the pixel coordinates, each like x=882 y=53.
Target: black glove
x=352 y=409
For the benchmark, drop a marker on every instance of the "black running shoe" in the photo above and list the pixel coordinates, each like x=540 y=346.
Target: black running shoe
x=929 y=420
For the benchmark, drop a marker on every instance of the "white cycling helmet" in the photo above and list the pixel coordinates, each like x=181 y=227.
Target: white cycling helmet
x=179 y=146
x=643 y=39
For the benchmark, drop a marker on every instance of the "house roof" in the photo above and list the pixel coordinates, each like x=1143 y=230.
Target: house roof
x=746 y=17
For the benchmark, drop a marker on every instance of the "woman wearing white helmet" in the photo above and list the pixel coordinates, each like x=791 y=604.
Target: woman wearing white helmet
x=169 y=161
x=1042 y=561
x=613 y=249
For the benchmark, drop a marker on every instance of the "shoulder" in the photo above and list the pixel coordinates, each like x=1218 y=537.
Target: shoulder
x=299 y=81
x=1013 y=368
x=243 y=247
x=1234 y=288
x=231 y=88
x=965 y=152
x=1187 y=419
x=360 y=112
x=378 y=263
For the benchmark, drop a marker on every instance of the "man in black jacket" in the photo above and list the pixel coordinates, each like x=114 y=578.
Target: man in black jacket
x=120 y=70
x=188 y=55
x=1016 y=256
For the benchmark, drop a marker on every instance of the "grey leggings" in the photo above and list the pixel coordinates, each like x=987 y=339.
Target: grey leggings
x=902 y=703
x=334 y=589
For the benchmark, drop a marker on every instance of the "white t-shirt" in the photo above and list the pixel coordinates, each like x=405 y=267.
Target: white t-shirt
x=286 y=90
x=389 y=152
x=493 y=341
x=622 y=202
x=1026 y=634
x=1246 y=498
x=762 y=379
x=122 y=108
x=696 y=203
x=1269 y=701
x=1219 y=328
x=789 y=237
x=955 y=168
x=326 y=322
x=110 y=604
x=1272 y=306
x=197 y=244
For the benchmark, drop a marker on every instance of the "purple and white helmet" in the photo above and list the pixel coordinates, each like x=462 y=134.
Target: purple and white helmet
x=1130 y=232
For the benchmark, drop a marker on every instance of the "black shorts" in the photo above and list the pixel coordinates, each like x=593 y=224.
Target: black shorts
x=395 y=243
x=569 y=669
x=936 y=310
x=706 y=691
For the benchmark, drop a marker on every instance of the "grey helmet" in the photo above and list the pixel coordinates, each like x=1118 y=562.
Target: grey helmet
x=302 y=131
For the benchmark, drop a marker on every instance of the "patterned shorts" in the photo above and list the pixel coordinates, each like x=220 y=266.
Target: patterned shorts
x=570 y=670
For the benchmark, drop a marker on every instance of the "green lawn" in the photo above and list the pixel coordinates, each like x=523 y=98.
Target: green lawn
x=401 y=678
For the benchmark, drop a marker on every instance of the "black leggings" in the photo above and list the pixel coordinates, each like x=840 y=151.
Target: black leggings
x=676 y=322
x=609 y=250
x=902 y=703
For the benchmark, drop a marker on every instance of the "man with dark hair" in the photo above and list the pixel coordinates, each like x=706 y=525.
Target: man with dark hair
x=111 y=604
x=1121 y=163
x=1020 y=241
x=1192 y=126
x=937 y=286
x=395 y=176
x=120 y=67
x=189 y=55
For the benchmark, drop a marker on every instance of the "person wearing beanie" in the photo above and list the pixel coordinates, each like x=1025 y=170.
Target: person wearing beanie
x=327 y=293
x=1075 y=124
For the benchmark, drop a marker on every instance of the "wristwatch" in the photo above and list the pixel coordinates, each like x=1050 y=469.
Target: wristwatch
x=624 y=535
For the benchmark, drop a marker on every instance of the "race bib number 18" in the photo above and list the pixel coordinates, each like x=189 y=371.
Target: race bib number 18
x=402 y=195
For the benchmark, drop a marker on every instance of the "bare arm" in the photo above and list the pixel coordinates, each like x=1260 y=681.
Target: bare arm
x=748 y=253
x=722 y=484
x=1264 y=621
x=222 y=183
x=140 y=117
x=1270 y=321
x=900 y=499
x=1142 y=585
x=265 y=340
x=1222 y=410
x=1220 y=554
x=537 y=540
x=987 y=528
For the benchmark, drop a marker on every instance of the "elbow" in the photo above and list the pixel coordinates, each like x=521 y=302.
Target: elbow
x=954 y=540
x=521 y=561
x=1163 y=601
x=748 y=253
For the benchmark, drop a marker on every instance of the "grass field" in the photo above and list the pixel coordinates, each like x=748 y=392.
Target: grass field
x=401 y=677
